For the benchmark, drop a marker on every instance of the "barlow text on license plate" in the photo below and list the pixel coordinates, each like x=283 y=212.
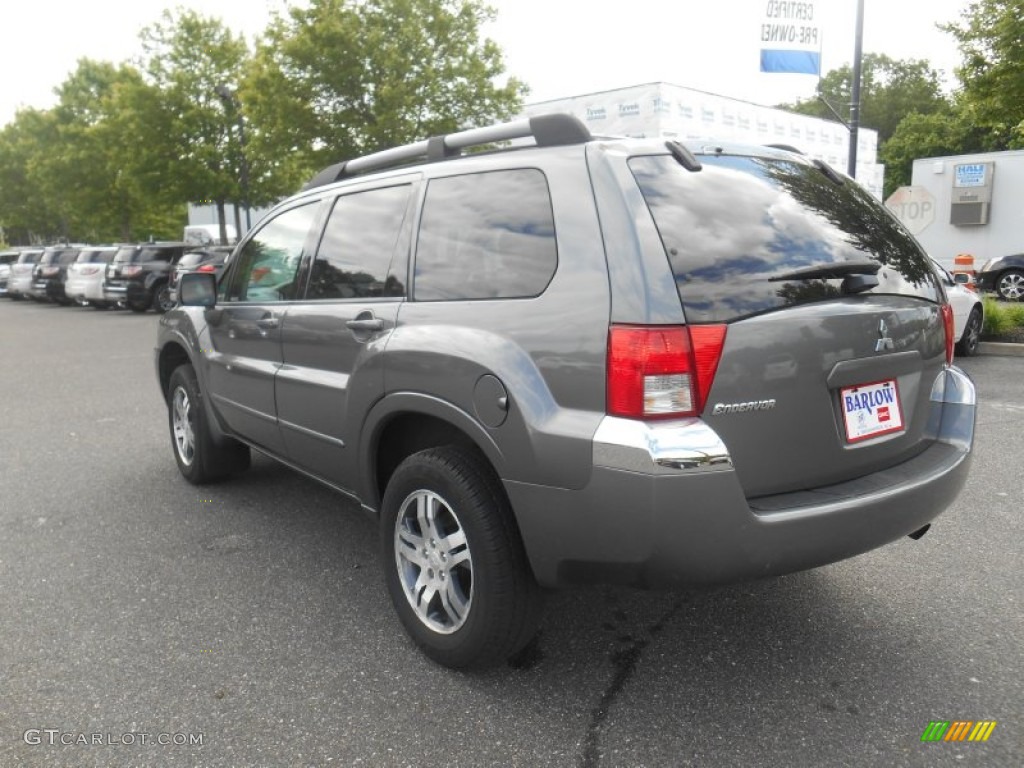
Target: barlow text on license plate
x=870 y=410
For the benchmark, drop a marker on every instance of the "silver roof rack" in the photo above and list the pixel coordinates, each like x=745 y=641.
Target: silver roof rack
x=553 y=130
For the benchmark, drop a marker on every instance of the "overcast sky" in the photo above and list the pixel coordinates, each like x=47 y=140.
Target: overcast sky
x=558 y=47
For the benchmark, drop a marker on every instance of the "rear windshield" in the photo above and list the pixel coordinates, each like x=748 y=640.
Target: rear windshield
x=93 y=256
x=192 y=259
x=68 y=257
x=49 y=257
x=741 y=221
x=30 y=257
x=125 y=254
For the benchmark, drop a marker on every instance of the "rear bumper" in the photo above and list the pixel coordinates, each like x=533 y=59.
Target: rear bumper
x=672 y=511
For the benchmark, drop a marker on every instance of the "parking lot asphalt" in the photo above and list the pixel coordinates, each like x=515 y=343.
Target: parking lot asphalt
x=250 y=616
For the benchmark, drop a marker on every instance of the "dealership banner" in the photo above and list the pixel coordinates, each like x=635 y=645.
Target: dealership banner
x=790 y=37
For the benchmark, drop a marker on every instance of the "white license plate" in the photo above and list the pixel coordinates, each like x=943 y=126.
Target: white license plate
x=870 y=410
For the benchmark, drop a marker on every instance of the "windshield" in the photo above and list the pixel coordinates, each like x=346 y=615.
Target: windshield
x=739 y=233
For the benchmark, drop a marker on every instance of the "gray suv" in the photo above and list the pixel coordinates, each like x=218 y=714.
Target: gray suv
x=579 y=359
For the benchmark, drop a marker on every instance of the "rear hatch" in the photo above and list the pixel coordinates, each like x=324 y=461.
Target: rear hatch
x=123 y=266
x=834 y=328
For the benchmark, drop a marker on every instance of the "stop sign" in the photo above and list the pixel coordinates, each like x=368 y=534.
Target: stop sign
x=914 y=206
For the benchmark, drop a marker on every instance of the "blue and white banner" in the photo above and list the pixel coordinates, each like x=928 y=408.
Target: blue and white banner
x=790 y=37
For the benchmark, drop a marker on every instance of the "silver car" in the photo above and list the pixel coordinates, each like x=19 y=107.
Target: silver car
x=19 y=284
x=583 y=360
x=84 y=283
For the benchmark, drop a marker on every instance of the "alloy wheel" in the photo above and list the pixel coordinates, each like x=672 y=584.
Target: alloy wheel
x=434 y=563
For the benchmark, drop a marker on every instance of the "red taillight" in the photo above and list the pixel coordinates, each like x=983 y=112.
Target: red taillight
x=661 y=371
x=130 y=271
x=947 y=322
x=207 y=268
x=88 y=270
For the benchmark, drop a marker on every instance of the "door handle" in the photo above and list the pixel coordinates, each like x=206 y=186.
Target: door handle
x=268 y=323
x=365 y=324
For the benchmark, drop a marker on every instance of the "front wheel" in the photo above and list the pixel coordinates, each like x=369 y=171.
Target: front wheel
x=454 y=563
x=1010 y=285
x=971 y=338
x=201 y=459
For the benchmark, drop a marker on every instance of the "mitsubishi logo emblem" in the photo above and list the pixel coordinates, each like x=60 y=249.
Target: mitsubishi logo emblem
x=884 y=343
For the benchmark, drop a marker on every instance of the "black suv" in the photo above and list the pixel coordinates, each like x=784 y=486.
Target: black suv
x=51 y=272
x=139 y=276
x=583 y=359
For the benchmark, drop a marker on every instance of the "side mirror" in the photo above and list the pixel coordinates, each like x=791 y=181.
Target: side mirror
x=198 y=289
x=961 y=278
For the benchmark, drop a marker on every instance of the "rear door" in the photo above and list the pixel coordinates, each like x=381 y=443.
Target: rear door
x=821 y=378
x=245 y=326
x=332 y=366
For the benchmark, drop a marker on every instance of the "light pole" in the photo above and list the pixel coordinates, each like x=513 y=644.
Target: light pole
x=231 y=103
x=858 y=45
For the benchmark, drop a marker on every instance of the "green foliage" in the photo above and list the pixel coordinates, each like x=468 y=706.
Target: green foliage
x=190 y=59
x=891 y=89
x=992 y=70
x=917 y=136
x=341 y=78
x=1001 y=318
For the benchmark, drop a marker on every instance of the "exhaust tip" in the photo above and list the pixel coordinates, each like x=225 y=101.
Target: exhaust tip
x=919 y=532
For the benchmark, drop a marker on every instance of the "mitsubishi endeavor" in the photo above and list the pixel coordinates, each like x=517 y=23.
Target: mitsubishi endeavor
x=578 y=359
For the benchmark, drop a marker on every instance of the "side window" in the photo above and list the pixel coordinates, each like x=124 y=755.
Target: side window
x=486 y=236
x=268 y=263
x=355 y=254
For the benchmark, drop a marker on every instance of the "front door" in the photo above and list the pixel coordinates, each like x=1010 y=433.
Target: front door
x=245 y=327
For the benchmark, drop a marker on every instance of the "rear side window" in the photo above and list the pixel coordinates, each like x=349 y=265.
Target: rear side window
x=732 y=230
x=486 y=236
x=356 y=252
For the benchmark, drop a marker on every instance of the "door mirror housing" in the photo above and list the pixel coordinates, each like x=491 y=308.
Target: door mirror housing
x=198 y=289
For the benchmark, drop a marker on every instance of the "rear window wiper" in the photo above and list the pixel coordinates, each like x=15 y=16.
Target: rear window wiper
x=830 y=270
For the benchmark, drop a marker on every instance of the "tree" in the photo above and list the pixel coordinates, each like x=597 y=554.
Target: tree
x=89 y=171
x=28 y=214
x=890 y=90
x=992 y=72
x=342 y=78
x=917 y=136
x=191 y=59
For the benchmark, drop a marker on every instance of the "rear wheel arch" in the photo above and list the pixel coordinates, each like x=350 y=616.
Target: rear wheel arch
x=396 y=435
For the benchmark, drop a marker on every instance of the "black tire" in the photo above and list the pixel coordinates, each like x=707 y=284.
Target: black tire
x=162 y=301
x=970 y=340
x=492 y=585
x=1010 y=285
x=200 y=458
x=140 y=306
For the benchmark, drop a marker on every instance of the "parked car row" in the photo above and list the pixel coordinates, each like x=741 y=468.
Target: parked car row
x=136 y=276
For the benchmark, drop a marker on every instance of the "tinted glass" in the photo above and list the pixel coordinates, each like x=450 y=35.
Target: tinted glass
x=486 y=236
x=356 y=251
x=267 y=267
x=95 y=255
x=192 y=259
x=125 y=254
x=733 y=229
x=158 y=254
x=29 y=257
x=68 y=257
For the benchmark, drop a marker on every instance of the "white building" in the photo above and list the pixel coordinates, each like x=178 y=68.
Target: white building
x=662 y=109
